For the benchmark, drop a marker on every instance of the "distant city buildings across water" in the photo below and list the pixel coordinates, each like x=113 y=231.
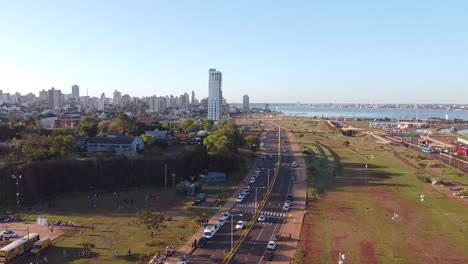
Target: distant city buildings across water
x=394 y=113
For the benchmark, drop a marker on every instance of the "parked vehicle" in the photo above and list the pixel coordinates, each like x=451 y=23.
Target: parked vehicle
x=40 y=245
x=262 y=218
x=17 y=247
x=201 y=242
x=8 y=234
x=268 y=255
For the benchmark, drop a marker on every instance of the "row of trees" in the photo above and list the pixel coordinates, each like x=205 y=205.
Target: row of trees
x=33 y=147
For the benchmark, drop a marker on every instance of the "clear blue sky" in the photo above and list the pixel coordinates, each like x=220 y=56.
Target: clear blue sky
x=274 y=51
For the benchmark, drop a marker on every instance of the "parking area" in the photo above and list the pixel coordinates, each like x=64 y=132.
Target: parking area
x=22 y=229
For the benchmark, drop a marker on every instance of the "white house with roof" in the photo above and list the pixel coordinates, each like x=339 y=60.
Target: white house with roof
x=129 y=146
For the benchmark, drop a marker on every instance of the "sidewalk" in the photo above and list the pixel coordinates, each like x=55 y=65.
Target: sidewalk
x=287 y=246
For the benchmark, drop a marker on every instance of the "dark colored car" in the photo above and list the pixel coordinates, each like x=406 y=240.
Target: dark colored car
x=268 y=255
x=289 y=198
x=201 y=242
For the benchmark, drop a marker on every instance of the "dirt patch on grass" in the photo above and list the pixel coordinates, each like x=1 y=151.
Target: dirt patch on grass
x=368 y=251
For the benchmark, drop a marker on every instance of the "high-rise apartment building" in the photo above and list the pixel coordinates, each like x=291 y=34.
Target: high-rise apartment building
x=193 y=97
x=157 y=104
x=117 y=98
x=101 y=102
x=76 y=92
x=215 y=95
x=55 y=98
x=245 y=103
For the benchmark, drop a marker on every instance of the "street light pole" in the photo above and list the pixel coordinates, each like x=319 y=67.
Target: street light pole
x=173 y=180
x=256 y=193
x=17 y=178
x=395 y=218
x=232 y=229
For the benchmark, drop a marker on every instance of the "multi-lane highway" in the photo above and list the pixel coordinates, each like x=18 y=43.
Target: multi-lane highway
x=255 y=243
x=250 y=243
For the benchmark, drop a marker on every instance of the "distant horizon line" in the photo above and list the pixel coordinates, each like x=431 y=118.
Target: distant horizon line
x=448 y=104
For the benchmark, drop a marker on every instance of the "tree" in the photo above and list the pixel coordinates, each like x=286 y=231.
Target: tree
x=87 y=249
x=252 y=141
x=208 y=124
x=148 y=139
x=32 y=147
x=61 y=145
x=88 y=126
x=150 y=220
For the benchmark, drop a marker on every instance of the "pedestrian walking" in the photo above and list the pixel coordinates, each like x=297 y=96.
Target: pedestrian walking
x=129 y=252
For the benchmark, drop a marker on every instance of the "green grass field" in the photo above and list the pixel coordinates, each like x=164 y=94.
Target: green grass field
x=349 y=214
x=115 y=230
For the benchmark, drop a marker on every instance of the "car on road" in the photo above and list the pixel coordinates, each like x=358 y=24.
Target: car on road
x=288 y=203
x=240 y=224
x=293 y=177
x=268 y=255
x=270 y=156
x=241 y=197
x=294 y=164
x=262 y=218
x=289 y=197
x=222 y=221
x=225 y=216
x=284 y=151
x=277 y=237
x=272 y=245
x=201 y=242
x=252 y=180
x=247 y=190
x=286 y=207
x=8 y=234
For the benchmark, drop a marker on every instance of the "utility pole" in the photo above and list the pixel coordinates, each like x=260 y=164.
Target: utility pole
x=165 y=175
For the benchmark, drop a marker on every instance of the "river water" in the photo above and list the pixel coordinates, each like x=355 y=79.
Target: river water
x=370 y=112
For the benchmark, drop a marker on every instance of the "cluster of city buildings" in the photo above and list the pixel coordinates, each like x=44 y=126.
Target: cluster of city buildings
x=68 y=108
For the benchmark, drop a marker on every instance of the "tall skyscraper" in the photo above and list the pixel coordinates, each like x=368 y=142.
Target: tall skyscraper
x=117 y=98
x=101 y=102
x=215 y=95
x=76 y=92
x=157 y=104
x=193 y=97
x=55 y=98
x=245 y=103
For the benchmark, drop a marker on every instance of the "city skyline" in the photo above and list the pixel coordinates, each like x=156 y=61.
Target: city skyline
x=358 y=52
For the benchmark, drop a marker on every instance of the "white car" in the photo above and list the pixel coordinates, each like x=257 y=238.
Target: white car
x=262 y=218
x=247 y=190
x=225 y=216
x=252 y=180
x=284 y=151
x=240 y=199
x=271 y=245
x=240 y=225
x=8 y=233
x=286 y=207
x=287 y=203
x=294 y=164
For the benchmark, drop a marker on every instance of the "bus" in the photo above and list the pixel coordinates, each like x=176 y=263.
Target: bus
x=462 y=150
x=426 y=150
x=200 y=199
x=18 y=247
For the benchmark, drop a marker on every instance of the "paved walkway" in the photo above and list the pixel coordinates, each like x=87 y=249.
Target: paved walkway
x=287 y=247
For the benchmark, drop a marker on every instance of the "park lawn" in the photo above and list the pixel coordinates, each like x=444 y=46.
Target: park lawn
x=115 y=231
x=354 y=218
